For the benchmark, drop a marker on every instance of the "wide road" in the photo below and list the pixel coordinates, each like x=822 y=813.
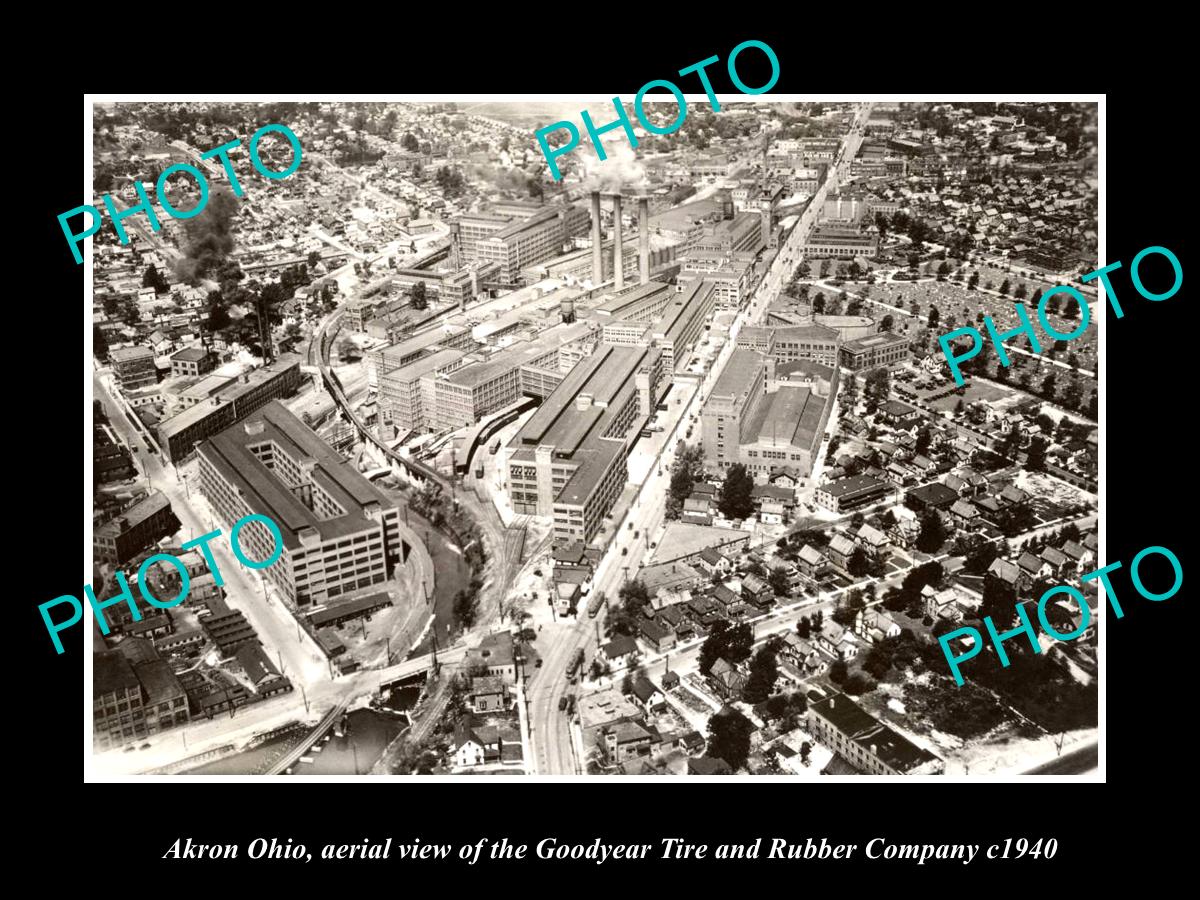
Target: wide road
x=551 y=728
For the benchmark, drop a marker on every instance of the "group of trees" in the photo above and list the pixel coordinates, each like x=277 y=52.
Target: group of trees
x=451 y=181
x=623 y=617
x=687 y=470
x=729 y=737
x=731 y=643
x=764 y=671
x=736 y=499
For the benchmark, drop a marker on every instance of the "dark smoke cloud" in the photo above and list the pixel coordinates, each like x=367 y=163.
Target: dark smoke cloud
x=209 y=236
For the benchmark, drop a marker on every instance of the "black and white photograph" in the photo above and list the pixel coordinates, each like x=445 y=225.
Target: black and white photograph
x=568 y=438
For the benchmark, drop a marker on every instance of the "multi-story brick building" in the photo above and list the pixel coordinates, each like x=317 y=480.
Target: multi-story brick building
x=874 y=351
x=133 y=366
x=193 y=361
x=117 y=714
x=179 y=435
x=569 y=460
x=340 y=533
x=142 y=525
x=762 y=421
x=866 y=743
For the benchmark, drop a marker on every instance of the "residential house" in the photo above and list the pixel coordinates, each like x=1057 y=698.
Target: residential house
x=726 y=679
x=646 y=694
x=621 y=650
x=488 y=694
x=810 y=561
x=1081 y=557
x=873 y=541
x=1060 y=564
x=708 y=765
x=626 y=739
x=712 y=562
x=964 y=514
x=1006 y=571
x=657 y=634
x=1034 y=568
x=836 y=641
x=475 y=744
x=496 y=654
x=840 y=549
x=874 y=625
x=756 y=590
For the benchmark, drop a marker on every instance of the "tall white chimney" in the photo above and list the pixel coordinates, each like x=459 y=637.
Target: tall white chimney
x=618 y=264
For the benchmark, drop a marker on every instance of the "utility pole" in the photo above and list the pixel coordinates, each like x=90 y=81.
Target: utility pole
x=304 y=694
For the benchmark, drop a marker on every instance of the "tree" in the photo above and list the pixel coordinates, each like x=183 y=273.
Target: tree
x=714 y=646
x=1048 y=386
x=763 y=673
x=858 y=564
x=885 y=324
x=1004 y=286
x=804 y=627
x=779 y=583
x=943 y=270
x=934 y=316
x=154 y=278
x=818 y=304
x=978 y=560
x=729 y=737
x=924 y=440
x=973 y=281
x=466 y=608
x=624 y=617
x=1036 y=460
x=1020 y=293
x=99 y=343
x=418 y=296
x=314 y=257
x=824 y=268
x=933 y=532
x=409 y=142
x=838 y=672
x=999 y=602
x=848 y=607
x=736 y=499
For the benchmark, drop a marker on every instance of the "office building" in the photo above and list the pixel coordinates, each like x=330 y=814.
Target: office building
x=133 y=366
x=516 y=238
x=788 y=343
x=874 y=351
x=142 y=525
x=846 y=494
x=840 y=243
x=866 y=743
x=193 y=361
x=569 y=460
x=340 y=533
x=742 y=233
x=237 y=399
x=764 y=419
x=117 y=714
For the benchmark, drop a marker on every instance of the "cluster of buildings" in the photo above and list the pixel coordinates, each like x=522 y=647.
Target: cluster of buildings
x=177 y=664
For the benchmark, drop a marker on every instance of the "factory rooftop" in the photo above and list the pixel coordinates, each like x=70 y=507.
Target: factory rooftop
x=231 y=453
x=244 y=385
x=739 y=374
x=576 y=417
x=791 y=416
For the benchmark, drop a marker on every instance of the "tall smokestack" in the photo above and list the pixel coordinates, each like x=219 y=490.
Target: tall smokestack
x=644 y=239
x=618 y=265
x=597 y=240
